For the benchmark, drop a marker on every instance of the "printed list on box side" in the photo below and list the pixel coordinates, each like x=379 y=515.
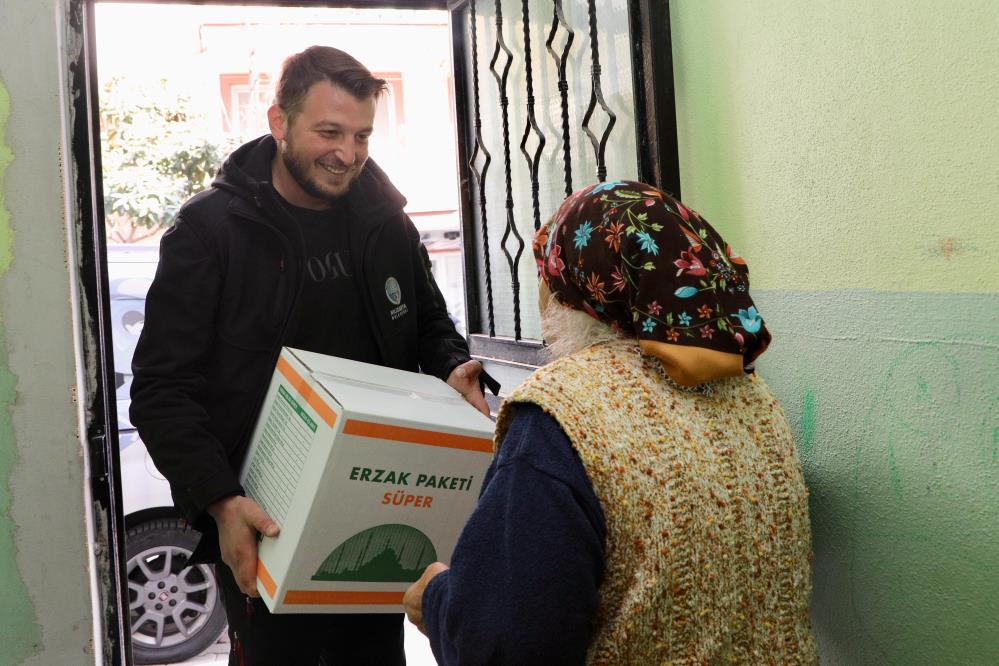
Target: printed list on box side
x=280 y=456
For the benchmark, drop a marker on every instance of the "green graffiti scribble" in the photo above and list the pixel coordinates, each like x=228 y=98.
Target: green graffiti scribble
x=20 y=633
x=894 y=476
x=908 y=381
x=904 y=517
x=808 y=421
x=990 y=430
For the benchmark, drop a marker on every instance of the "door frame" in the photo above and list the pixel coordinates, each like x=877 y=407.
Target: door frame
x=101 y=430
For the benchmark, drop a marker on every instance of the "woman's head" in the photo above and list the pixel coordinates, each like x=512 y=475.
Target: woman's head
x=567 y=331
x=642 y=263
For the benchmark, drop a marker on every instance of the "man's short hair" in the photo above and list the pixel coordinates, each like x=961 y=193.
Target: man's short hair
x=323 y=63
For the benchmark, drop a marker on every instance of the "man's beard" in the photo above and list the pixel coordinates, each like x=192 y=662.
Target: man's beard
x=298 y=167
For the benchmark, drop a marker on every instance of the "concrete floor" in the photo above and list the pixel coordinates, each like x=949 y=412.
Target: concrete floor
x=418 y=651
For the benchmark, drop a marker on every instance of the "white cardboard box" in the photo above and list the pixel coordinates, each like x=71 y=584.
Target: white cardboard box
x=371 y=473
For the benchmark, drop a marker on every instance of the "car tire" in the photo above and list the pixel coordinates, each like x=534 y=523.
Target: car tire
x=175 y=610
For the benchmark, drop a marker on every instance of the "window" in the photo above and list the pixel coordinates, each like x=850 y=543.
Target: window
x=245 y=99
x=390 y=114
x=552 y=96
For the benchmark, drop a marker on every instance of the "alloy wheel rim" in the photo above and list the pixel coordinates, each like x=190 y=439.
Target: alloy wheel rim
x=169 y=602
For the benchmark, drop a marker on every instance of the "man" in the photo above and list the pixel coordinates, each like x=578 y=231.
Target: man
x=301 y=241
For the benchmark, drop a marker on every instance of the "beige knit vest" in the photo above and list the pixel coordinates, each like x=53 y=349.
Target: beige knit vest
x=708 y=540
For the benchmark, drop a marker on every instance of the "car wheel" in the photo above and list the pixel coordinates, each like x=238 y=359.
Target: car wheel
x=175 y=610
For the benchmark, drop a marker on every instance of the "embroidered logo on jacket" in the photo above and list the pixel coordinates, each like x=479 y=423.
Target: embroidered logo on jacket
x=394 y=293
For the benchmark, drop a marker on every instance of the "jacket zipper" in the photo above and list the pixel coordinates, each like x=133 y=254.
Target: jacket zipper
x=243 y=438
x=281 y=278
x=237 y=648
x=369 y=301
x=276 y=351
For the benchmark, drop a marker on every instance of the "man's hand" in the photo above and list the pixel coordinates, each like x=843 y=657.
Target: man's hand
x=413 y=600
x=239 y=519
x=465 y=380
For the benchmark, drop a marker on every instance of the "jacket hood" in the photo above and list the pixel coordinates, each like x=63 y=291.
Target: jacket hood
x=248 y=169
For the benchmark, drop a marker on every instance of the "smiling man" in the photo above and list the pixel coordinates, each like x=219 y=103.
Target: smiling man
x=322 y=136
x=301 y=241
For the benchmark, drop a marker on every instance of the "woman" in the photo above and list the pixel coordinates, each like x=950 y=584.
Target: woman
x=646 y=504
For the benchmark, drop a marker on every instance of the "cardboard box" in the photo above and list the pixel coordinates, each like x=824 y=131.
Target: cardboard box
x=370 y=472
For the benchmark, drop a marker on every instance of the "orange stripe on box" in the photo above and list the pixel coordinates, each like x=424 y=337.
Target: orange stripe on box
x=314 y=598
x=417 y=436
x=264 y=576
x=299 y=384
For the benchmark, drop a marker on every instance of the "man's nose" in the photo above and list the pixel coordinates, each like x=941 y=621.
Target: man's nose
x=346 y=152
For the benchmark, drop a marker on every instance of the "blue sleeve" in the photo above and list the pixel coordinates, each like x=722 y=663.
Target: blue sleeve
x=522 y=587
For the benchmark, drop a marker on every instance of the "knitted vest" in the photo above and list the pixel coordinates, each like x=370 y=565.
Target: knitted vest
x=708 y=540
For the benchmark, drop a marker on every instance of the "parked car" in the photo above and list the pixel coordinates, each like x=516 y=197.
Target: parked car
x=175 y=610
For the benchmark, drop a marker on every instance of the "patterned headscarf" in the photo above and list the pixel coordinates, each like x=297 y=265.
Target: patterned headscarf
x=639 y=260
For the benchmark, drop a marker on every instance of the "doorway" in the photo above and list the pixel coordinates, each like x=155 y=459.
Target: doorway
x=179 y=86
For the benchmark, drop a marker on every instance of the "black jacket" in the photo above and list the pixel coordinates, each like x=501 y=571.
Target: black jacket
x=224 y=299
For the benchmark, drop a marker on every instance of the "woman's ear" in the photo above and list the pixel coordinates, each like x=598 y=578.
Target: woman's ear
x=544 y=297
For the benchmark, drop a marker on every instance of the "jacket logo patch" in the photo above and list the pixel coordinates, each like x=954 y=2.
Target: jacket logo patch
x=393 y=291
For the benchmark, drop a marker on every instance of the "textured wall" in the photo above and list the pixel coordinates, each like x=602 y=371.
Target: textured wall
x=18 y=631
x=848 y=150
x=856 y=139
x=45 y=603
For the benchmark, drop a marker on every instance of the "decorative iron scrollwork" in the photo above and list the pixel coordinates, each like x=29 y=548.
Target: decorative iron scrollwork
x=511 y=225
x=558 y=20
x=480 y=175
x=532 y=123
x=597 y=97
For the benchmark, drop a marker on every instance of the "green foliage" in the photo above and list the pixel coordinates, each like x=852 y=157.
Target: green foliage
x=156 y=153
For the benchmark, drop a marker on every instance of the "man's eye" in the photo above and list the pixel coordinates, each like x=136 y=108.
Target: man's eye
x=363 y=138
x=330 y=134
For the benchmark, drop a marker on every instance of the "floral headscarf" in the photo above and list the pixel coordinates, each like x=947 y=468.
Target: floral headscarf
x=639 y=260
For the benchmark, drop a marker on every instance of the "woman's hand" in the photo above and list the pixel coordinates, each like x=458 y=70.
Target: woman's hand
x=413 y=600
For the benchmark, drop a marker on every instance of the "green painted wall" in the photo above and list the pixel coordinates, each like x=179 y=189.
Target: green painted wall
x=46 y=608
x=848 y=150
x=897 y=431
x=19 y=634
x=853 y=138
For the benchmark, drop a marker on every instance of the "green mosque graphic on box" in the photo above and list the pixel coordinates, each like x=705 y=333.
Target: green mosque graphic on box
x=382 y=554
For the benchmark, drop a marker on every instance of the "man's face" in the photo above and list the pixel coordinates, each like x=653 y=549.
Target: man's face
x=325 y=145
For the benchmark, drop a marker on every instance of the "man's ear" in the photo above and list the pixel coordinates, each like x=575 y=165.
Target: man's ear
x=277 y=119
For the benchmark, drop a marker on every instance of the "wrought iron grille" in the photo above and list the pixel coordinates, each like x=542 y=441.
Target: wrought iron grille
x=586 y=108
